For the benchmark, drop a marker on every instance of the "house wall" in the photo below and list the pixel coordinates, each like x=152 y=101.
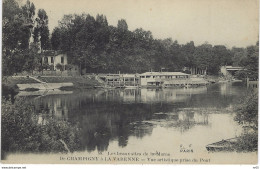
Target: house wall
x=223 y=70
x=74 y=71
x=56 y=59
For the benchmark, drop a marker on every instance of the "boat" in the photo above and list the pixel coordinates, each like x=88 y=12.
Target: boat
x=223 y=145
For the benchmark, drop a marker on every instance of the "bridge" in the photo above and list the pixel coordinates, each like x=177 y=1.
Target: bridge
x=230 y=70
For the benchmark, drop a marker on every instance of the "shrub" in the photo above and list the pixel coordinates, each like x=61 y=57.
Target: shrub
x=21 y=131
x=247 y=110
x=60 y=67
x=247 y=115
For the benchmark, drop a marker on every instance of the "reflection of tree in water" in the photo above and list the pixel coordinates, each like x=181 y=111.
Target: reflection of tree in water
x=96 y=131
x=102 y=122
x=140 y=129
x=184 y=120
x=105 y=116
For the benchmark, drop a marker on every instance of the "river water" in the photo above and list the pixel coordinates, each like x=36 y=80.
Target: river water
x=177 y=122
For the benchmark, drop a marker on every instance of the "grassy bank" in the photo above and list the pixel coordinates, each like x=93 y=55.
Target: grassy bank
x=9 y=85
x=13 y=81
x=79 y=82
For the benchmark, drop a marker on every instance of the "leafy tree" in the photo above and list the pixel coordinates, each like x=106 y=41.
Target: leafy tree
x=250 y=63
x=97 y=47
x=32 y=58
x=247 y=115
x=28 y=13
x=122 y=25
x=56 y=39
x=17 y=27
x=41 y=31
x=21 y=131
x=239 y=56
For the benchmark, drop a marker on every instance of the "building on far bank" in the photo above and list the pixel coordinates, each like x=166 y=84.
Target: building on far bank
x=54 y=58
x=159 y=79
x=229 y=71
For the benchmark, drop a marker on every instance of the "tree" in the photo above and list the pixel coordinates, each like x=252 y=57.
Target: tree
x=203 y=58
x=56 y=39
x=188 y=54
x=12 y=24
x=28 y=13
x=32 y=58
x=101 y=21
x=238 y=56
x=252 y=61
x=122 y=25
x=17 y=25
x=41 y=31
x=247 y=115
x=221 y=56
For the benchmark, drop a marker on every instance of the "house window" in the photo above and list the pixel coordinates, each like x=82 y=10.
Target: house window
x=45 y=59
x=52 y=60
x=62 y=59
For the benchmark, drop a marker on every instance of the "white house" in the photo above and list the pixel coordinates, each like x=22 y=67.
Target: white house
x=53 y=60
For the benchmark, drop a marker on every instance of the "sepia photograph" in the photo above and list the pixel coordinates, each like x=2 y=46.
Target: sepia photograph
x=129 y=82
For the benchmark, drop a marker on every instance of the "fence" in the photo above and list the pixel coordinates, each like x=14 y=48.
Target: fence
x=50 y=73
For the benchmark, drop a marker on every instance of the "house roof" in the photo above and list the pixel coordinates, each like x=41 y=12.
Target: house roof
x=163 y=74
x=51 y=53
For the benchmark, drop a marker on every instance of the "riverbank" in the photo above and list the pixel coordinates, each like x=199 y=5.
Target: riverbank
x=79 y=82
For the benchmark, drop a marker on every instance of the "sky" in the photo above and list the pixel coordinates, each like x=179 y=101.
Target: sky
x=218 y=22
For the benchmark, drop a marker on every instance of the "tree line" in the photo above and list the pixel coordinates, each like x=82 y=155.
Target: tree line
x=97 y=47
x=20 y=25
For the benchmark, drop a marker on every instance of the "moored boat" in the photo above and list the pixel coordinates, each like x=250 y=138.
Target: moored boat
x=223 y=145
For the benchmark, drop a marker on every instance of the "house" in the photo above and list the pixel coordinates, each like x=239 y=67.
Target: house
x=158 y=79
x=54 y=58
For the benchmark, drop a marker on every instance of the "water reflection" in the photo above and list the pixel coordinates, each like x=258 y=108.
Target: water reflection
x=118 y=115
x=184 y=120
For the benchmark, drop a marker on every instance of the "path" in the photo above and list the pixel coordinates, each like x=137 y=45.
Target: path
x=38 y=80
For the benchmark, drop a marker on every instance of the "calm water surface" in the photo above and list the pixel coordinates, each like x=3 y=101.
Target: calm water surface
x=147 y=120
x=129 y=117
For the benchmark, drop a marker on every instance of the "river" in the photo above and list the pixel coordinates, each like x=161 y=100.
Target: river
x=177 y=122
